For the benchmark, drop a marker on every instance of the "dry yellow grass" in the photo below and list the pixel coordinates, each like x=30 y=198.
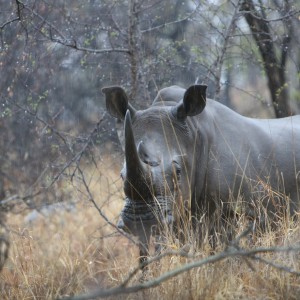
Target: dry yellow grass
x=72 y=252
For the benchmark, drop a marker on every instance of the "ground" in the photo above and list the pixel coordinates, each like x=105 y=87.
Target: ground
x=73 y=250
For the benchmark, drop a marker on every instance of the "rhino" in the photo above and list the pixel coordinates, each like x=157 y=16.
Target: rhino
x=186 y=151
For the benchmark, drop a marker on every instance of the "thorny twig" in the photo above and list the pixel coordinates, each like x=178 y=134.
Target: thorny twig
x=35 y=115
x=186 y=18
x=60 y=38
x=216 y=67
x=8 y=22
x=92 y=200
x=288 y=15
x=76 y=157
x=18 y=18
x=74 y=160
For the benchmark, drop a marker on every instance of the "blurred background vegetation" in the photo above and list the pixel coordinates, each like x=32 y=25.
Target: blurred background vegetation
x=57 y=144
x=55 y=56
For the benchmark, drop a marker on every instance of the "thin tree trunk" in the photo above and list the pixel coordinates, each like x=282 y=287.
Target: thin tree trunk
x=138 y=71
x=274 y=68
x=133 y=43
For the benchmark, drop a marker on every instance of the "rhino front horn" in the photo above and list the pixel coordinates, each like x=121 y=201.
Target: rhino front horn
x=134 y=166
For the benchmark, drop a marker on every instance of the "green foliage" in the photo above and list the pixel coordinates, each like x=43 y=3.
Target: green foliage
x=199 y=56
x=279 y=91
x=34 y=101
x=114 y=34
x=6 y=112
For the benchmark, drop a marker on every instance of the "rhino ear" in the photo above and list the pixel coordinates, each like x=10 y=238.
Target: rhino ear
x=117 y=102
x=193 y=103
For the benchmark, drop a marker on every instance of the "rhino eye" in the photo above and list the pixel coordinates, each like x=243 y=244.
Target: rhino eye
x=177 y=170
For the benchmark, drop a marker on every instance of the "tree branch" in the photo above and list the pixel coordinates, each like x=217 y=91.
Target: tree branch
x=9 y=22
x=92 y=200
x=216 y=68
x=63 y=40
x=73 y=44
x=250 y=254
x=18 y=18
x=186 y=18
x=288 y=15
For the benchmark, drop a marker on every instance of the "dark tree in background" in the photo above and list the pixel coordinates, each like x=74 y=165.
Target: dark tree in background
x=55 y=56
x=274 y=44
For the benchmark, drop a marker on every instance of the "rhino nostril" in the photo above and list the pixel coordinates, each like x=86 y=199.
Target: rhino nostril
x=170 y=219
x=121 y=225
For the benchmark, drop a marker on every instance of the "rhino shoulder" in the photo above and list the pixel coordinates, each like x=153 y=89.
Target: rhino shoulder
x=173 y=93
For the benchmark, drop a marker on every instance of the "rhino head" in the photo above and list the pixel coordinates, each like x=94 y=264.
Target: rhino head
x=158 y=167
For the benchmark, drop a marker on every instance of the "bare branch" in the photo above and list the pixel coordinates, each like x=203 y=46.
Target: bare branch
x=216 y=68
x=75 y=159
x=187 y=267
x=92 y=200
x=9 y=22
x=288 y=15
x=73 y=44
x=64 y=40
x=276 y=266
x=18 y=18
x=148 y=262
x=186 y=18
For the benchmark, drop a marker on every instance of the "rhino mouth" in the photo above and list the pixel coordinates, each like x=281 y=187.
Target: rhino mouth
x=134 y=211
x=137 y=218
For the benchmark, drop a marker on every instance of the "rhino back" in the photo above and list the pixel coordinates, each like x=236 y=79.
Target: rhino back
x=248 y=154
x=169 y=96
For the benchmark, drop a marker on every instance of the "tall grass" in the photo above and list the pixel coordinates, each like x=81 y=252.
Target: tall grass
x=71 y=252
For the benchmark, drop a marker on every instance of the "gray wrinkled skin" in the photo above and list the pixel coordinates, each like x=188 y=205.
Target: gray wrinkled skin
x=186 y=150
